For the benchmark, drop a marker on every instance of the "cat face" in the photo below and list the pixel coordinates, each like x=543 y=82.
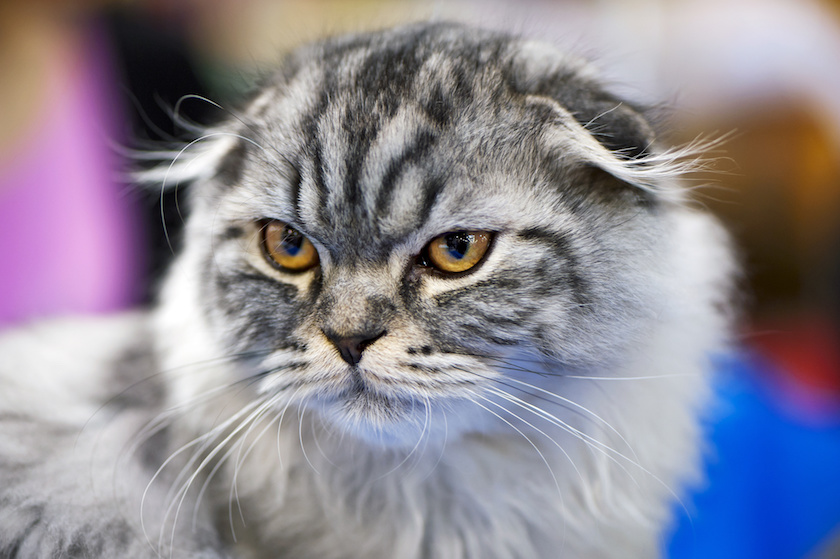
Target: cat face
x=400 y=221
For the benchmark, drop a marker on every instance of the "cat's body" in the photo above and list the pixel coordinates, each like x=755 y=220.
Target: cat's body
x=351 y=391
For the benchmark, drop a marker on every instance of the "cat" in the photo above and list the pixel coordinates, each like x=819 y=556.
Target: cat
x=441 y=295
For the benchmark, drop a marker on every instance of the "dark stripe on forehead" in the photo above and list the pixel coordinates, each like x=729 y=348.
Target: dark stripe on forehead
x=313 y=142
x=563 y=250
x=361 y=130
x=416 y=150
x=431 y=190
x=438 y=107
x=390 y=69
x=294 y=189
x=385 y=79
x=318 y=176
x=364 y=82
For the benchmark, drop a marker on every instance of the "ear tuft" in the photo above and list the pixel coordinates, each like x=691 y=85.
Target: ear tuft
x=200 y=159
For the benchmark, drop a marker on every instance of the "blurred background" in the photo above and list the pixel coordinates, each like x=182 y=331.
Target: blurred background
x=84 y=83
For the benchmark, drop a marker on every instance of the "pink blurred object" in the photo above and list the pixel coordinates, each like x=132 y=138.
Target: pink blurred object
x=69 y=236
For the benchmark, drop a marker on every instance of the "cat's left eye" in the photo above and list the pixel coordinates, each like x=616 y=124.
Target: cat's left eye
x=286 y=248
x=458 y=251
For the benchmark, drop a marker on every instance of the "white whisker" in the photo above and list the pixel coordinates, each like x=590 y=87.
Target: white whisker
x=577 y=406
x=301 y=411
x=207 y=460
x=413 y=449
x=592 y=443
x=233 y=495
x=513 y=399
x=174 y=455
x=524 y=436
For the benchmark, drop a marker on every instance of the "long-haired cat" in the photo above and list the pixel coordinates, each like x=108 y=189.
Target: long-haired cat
x=441 y=296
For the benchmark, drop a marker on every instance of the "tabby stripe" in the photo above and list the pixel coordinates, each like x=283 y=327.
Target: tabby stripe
x=318 y=178
x=399 y=69
x=482 y=332
x=361 y=141
x=503 y=320
x=36 y=514
x=431 y=189
x=562 y=247
x=494 y=284
x=420 y=145
x=438 y=108
x=310 y=131
x=294 y=190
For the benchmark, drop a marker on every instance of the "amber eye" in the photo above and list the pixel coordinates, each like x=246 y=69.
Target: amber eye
x=285 y=248
x=458 y=251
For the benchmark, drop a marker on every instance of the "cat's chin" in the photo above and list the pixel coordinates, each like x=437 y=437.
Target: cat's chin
x=381 y=420
x=378 y=419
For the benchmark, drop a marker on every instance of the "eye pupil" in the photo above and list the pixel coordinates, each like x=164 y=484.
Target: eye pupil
x=458 y=244
x=292 y=242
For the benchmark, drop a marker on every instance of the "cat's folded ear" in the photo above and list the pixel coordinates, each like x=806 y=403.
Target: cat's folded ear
x=600 y=129
x=541 y=70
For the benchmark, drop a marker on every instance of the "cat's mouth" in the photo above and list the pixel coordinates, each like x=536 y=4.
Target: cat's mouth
x=364 y=400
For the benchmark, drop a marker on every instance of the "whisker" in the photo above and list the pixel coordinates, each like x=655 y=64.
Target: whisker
x=280 y=423
x=510 y=366
x=598 y=445
x=575 y=407
x=414 y=448
x=301 y=411
x=209 y=440
x=530 y=442
x=524 y=436
x=508 y=397
x=590 y=441
x=209 y=458
x=174 y=455
x=241 y=118
x=187 y=165
x=443 y=445
x=580 y=407
x=141 y=435
x=317 y=442
x=233 y=494
x=263 y=408
x=426 y=433
x=650 y=377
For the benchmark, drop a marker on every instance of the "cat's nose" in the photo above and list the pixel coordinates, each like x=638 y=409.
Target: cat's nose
x=351 y=347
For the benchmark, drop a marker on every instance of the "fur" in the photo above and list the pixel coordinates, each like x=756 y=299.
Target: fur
x=545 y=404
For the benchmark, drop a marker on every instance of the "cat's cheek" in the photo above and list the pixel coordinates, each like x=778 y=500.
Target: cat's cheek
x=251 y=310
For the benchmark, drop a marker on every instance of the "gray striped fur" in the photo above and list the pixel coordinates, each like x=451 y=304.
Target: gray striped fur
x=543 y=404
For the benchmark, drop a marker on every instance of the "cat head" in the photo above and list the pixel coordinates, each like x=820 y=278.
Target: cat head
x=399 y=220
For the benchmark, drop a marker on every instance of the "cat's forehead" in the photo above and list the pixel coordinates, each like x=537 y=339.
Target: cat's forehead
x=440 y=69
x=381 y=135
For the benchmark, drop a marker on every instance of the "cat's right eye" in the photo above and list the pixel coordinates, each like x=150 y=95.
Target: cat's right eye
x=286 y=248
x=457 y=252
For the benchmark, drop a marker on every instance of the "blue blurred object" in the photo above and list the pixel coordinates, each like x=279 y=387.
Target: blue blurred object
x=773 y=474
